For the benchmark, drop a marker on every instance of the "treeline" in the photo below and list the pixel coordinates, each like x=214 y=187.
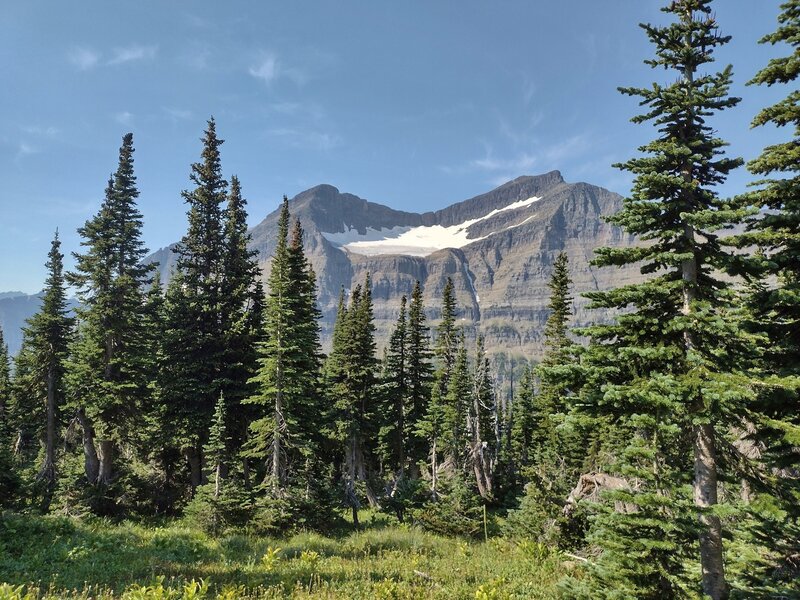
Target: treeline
x=663 y=453
x=212 y=396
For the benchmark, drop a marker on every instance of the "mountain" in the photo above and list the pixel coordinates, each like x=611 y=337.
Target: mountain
x=15 y=308
x=498 y=247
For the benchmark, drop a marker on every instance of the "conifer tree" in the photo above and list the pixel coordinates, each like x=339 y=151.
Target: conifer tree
x=482 y=424
x=241 y=313
x=420 y=376
x=216 y=449
x=774 y=270
x=108 y=375
x=446 y=335
x=351 y=381
x=46 y=337
x=8 y=478
x=669 y=370
x=395 y=394
x=5 y=390
x=193 y=369
x=456 y=407
x=286 y=432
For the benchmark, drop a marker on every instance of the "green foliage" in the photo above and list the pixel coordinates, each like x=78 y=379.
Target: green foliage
x=457 y=511
x=671 y=372
x=286 y=431
x=72 y=559
x=108 y=374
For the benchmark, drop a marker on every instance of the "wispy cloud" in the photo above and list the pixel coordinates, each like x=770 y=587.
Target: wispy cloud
x=124 y=118
x=83 y=58
x=300 y=138
x=41 y=131
x=177 y=114
x=26 y=149
x=268 y=68
x=132 y=53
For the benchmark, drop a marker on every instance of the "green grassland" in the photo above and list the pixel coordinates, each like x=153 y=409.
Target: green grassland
x=50 y=557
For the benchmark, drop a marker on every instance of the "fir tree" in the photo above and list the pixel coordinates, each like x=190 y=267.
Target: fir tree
x=774 y=271
x=446 y=335
x=9 y=481
x=669 y=371
x=46 y=337
x=193 y=369
x=395 y=394
x=482 y=424
x=241 y=314
x=286 y=432
x=108 y=375
x=420 y=376
x=351 y=382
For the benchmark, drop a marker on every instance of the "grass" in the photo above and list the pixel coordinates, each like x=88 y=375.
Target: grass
x=49 y=557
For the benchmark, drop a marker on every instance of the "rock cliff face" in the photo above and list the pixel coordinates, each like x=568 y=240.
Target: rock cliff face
x=498 y=248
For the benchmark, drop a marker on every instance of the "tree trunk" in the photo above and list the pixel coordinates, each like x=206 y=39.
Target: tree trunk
x=91 y=464
x=48 y=470
x=193 y=458
x=434 y=469
x=106 y=454
x=705 y=497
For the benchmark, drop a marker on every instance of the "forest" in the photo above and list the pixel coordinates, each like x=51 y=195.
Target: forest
x=189 y=438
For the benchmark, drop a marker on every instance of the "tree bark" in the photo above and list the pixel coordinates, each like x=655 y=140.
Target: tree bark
x=106 y=455
x=705 y=496
x=194 y=459
x=48 y=470
x=91 y=464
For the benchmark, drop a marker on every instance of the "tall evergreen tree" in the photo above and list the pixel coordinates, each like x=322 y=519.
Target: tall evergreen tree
x=351 y=381
x=670 y=369
x=286 y=432
x=108 y=375
x=395 y=395
x=8 y=478
x=5 y=389
x=193 y=369
x=482 y=424
x=447 y=335
x=46 y=337
x=420 y=376
x=242 y=315
x=774 y=427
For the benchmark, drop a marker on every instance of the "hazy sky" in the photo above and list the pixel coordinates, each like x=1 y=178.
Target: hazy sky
x=412 y=104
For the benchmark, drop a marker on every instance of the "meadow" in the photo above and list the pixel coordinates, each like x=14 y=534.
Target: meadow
x=57 y=557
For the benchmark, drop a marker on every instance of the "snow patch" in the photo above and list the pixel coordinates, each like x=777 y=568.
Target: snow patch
x=417 y=241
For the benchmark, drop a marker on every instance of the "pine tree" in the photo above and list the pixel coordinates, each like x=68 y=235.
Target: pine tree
x=108 y=377
x=241 y=314
x=9 y=481
x=670 y=369
x=286 y=432
x=395 y=395
x=420 y=376
x=482 y=424
x=456 y=403
x=216 y=449
x=46 y=337
x=193 y=369
x=446 y=335
x=352 y=384
x=774 y=271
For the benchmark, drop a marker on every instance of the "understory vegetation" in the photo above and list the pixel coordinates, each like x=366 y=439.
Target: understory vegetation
x=55 y=557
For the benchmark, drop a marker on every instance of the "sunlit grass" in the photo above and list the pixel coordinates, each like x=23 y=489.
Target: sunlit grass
x=58 y=558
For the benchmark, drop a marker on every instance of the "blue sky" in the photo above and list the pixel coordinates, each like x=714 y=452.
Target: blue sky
x=412 y=104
